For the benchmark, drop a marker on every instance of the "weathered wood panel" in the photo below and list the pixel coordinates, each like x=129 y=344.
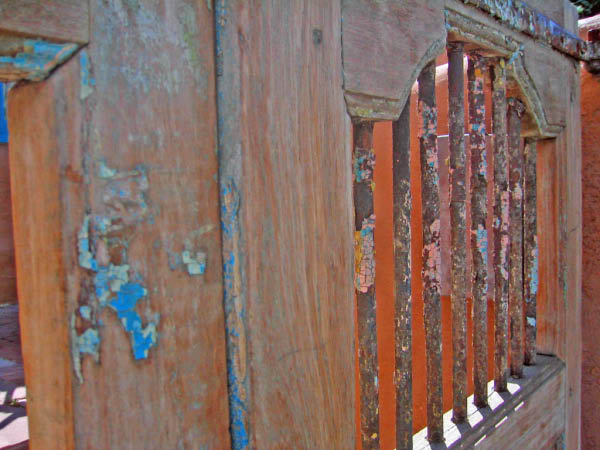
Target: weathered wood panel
x=41 y=265
x=55 y=20
x=282 y=63
x=386 y=45
x=128 y=188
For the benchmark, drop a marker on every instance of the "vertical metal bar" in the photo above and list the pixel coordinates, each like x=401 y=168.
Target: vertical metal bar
x=515 y=113
x=530 y=247
x=402 y=255
x=431 y=250
x=364 y=258
x=458 y=220
x=500 y=223
x=479 y=241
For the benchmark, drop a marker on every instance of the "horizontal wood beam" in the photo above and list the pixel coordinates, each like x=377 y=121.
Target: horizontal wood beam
x=518 y=16
x=50 y=20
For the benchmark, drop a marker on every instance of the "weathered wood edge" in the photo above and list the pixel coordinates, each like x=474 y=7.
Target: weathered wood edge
x=482 y=421
x=31 y=59
x=380 y=109
x=233 y=247
x=461 y=27
x=482 y=29
x=51 y=20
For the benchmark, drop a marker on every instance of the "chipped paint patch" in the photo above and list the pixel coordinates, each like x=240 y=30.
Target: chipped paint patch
x=364 y=163
x=196 y=264
x=87 y=81
x=115 y=285
x=531 y=321
x=364 y=255
x=482 y=242
x=533 y=280
x=36 y=59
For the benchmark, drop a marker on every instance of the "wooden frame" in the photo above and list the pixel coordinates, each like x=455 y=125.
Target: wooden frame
x=261 y=338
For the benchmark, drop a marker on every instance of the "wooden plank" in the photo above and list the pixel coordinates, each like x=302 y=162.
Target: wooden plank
x=134 y=197
x=500 y=224
x=431 y=249
x=479 y=241
x=364 y=283
x=286 y=126
x=570 y=256
x=53 y=20
x=36 y=186
x=529 y=413
x=458 y=217
x=382 y=54
x=402 y=277
x=530 y=249
x=515 y=183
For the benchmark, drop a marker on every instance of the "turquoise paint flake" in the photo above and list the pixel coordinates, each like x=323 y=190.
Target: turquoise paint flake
x=37 y=59
x=113 y=288
x=87 y=81
x=89 y=341
x=86 y=312
x=196 y=265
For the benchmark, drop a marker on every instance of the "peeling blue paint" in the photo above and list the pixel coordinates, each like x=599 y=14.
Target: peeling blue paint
x=37 y=59
x=115 y=285
x=86 y=312
x=482 y=243
x=113 y=288
x=89 y=341
x=196 y=265
x=87 y=81
x=237 y=405
x=3 y=121
x=533 y=280
x=229 y=210
x=531 y=321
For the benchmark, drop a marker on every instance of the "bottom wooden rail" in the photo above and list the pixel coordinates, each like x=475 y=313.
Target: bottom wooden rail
x=530 y=415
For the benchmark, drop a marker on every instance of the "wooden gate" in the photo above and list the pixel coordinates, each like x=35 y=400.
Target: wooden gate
x=194 y=220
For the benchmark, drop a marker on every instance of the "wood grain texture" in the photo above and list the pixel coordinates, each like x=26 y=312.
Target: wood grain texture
x=131 y=127
x=292 y=137
x=54 y=20
x=41 y=265
x=386 y=45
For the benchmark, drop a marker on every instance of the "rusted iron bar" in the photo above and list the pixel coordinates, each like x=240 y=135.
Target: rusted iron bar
x=364 y=258
x=515 y=112
x=402 y=255
x=458 y=219
x=431 y=250
x=520 y=17
x=530 y=249
x=479 y=245
x=500 y=224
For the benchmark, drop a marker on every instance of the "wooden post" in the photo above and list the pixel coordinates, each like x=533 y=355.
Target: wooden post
x=402 y=256
x=530 y=249
x=458 y=217
x=515 y=112
x=364 y=258
x=479 y=241
x=500 y=223
x=431 y=250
